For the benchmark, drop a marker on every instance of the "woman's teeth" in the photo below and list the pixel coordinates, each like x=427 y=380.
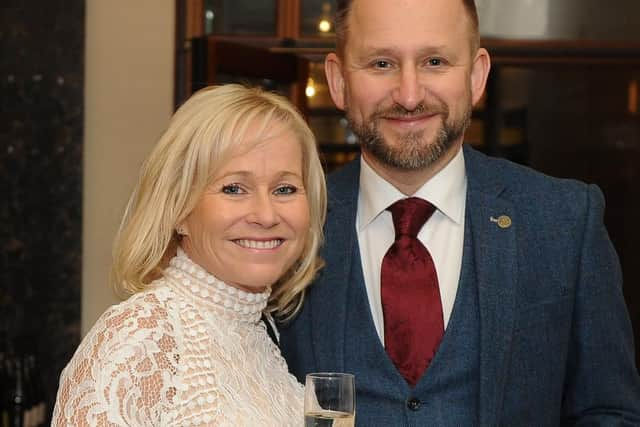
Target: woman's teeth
x=259 y=244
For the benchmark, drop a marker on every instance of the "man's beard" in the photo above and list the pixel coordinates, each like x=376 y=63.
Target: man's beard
x=412 y=151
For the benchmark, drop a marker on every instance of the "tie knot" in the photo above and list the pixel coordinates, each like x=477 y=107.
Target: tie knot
x=409 y=215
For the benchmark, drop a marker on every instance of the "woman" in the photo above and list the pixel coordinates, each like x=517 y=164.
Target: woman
x=225 y=223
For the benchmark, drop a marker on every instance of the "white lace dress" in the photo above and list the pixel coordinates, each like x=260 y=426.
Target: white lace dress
x=188 y=351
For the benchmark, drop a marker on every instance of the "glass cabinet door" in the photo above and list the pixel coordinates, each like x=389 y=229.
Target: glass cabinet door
x=317 y=18
x=240 y=17
x=336 y=141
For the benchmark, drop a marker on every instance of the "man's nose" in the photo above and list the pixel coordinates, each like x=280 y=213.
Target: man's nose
x=409 y=91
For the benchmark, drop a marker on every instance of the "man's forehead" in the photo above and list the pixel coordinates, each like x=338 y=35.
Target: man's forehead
x=385 y=23
x=424 y=7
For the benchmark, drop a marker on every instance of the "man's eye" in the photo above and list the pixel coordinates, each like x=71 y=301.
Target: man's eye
x=285 y=189
x=382 y=64
x=231 y=189
x=434 y=62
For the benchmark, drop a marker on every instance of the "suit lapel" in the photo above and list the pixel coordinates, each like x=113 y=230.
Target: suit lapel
x=493 y=241
x=328 y=312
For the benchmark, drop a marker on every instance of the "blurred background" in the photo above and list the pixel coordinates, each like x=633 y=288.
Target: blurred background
x=87 y=87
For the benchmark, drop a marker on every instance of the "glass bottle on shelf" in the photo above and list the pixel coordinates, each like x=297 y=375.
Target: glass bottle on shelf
x=36 y=390
x=15 y=393
x=4 y=391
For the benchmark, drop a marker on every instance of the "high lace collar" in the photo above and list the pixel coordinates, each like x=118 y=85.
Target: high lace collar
x=193 y=282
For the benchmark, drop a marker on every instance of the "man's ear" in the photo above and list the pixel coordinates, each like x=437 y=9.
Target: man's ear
x=479 y=74
x=335 y=79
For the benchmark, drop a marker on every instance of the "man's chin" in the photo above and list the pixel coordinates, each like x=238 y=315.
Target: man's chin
x=408 y=153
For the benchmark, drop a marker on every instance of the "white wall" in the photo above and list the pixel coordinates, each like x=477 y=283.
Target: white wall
x=513 y=18
x=129 y=62
x=560 y=19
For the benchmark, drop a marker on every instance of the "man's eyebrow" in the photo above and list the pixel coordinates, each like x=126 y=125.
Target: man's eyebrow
x=370 y=51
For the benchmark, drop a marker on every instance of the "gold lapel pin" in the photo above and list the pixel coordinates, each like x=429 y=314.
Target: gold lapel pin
x=503 y=221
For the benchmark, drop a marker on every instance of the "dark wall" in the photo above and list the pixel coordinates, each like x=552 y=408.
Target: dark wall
x=41 y=116
x=581 y=125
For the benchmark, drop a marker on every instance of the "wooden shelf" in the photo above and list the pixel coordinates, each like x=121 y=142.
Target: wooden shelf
x=562 y=52
x=518 y=52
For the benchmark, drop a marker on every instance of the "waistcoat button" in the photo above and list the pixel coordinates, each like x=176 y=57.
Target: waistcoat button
x=414 y=404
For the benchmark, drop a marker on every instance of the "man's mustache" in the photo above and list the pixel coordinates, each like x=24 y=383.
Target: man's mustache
x=397 y=111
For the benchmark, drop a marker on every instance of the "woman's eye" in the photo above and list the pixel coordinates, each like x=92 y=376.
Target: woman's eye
x=285 y=189
x=232 y=189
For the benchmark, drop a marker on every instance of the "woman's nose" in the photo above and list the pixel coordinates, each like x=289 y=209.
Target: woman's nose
x=264 y=210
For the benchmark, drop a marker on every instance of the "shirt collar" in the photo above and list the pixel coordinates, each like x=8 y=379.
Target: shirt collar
x=446 y=191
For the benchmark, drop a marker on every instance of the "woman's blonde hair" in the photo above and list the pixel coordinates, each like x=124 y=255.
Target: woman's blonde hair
x=201 y=137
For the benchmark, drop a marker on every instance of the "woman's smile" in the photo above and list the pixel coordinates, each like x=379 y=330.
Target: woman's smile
x=260 y=244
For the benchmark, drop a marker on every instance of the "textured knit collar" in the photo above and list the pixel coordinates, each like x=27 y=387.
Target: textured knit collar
x=196 y=284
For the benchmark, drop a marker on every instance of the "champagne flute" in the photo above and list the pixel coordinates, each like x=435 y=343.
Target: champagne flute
x=329 y=400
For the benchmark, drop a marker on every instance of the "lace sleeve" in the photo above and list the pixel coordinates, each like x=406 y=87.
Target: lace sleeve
x=124 y=371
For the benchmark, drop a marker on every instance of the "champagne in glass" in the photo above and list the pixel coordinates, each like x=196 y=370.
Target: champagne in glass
x=329 y=400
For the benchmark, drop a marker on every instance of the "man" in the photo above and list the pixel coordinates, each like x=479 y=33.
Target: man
x=505 y=307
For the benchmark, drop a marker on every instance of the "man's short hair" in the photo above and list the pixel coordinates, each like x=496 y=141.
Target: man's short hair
x=344 y=7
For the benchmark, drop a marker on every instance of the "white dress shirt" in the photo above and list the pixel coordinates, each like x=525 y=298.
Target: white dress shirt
x=442 y=235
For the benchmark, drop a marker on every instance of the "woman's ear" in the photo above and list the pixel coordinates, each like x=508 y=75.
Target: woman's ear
x=182 y=229
x=479 y=74
x=335 y=79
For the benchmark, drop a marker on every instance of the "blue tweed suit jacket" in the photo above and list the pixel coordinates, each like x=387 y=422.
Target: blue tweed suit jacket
x=555 y=337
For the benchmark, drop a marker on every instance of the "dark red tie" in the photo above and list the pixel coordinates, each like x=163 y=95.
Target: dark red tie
x=413 y=322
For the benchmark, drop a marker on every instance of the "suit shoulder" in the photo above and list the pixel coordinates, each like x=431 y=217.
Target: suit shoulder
x=342 y=186
x=348 y=174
